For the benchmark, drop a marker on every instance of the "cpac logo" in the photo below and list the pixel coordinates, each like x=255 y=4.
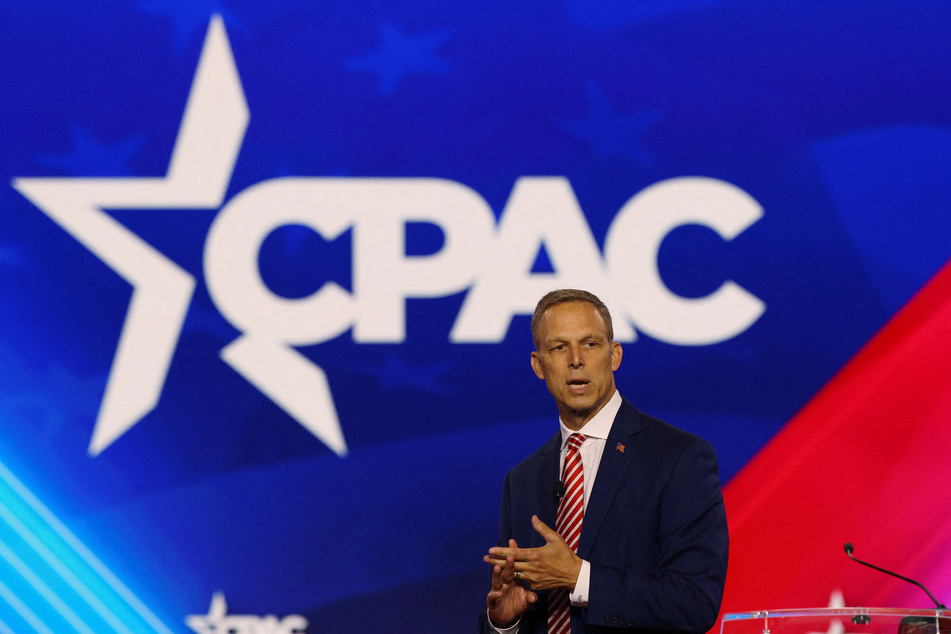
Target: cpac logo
x=219 y=622
x=492 y=260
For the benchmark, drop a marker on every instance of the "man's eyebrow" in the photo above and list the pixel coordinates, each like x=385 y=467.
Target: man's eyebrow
x=561 y=338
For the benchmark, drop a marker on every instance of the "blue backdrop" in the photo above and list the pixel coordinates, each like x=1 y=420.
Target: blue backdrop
x=329 y=219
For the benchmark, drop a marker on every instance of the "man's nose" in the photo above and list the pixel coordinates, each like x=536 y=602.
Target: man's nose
x=575 y=357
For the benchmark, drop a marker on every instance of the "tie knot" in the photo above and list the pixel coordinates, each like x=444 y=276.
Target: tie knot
x=575 y=440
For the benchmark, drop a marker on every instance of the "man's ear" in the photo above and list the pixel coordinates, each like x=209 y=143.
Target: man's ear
x=616 y=354
x=537 y=365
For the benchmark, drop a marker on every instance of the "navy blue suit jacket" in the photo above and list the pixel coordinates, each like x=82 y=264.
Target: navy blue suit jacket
x=654 y=529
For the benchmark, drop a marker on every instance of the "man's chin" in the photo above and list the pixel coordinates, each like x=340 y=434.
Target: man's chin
x=578 y=413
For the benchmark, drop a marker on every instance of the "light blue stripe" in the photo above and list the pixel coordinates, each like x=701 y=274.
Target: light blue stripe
x=44 y=590
x=78 y=548
x=7 y=595
x=5 y=629
x=64 y=572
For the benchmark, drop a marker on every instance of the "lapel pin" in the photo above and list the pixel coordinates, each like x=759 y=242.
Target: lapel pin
x=620 y=447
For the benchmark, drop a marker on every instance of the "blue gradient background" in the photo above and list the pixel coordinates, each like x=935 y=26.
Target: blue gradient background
x=834 y=116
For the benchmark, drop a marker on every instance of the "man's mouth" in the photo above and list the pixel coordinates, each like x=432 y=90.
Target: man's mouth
x=578 y=384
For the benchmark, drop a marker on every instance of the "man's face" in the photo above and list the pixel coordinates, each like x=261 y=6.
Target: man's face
x=576 y=360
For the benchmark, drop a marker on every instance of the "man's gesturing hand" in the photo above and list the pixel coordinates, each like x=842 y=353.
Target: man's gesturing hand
x=554 y=565
x=508 y=599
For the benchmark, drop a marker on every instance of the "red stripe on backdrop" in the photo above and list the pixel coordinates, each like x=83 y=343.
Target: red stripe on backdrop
x=867 y=461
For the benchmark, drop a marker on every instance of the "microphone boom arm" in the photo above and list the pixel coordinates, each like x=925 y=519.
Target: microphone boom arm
x=848 y=551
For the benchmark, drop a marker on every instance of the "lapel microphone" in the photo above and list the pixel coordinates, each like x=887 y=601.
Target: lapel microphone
x=559 y=489
x=848 y=551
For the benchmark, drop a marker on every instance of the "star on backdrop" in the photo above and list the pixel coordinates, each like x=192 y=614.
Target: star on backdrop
x=401 y=55
x=611 y=134
x=210 y=137
x=92 y=156
x=198 y=174
x=836 y=600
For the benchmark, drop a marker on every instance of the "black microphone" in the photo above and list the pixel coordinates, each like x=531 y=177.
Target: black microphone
x=848 y=551
x=559 y=489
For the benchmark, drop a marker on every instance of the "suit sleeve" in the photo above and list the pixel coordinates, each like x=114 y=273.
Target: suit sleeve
x=683 y=589
x=506 y=532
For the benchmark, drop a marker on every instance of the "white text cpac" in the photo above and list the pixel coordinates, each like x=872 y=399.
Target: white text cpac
x=493 y=260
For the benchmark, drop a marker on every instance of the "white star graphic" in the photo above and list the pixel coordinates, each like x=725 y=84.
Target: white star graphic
x=210 y=136
x=217 y=612
x=836 y=600
x=219 y=621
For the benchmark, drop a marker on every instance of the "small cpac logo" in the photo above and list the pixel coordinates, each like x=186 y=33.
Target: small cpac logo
x=217 y=621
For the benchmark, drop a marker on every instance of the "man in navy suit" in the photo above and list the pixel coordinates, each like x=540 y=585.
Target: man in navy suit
x=652 y=554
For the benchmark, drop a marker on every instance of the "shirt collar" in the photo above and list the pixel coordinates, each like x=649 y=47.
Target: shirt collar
x=600 y=425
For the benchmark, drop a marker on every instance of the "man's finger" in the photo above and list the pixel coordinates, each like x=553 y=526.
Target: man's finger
x=542 y=529
x=508 y=570
x=497 y=578
x=499 y=552
x=494 y=561
x=504 y=553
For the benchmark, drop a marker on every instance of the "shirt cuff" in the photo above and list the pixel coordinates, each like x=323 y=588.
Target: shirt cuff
x=579 y=596
x=509 y=630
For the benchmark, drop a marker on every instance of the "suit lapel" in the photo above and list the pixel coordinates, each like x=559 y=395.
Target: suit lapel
x=548 y=503
x=614 y=463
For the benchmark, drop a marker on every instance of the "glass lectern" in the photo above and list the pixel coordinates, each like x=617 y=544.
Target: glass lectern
x=838 y=621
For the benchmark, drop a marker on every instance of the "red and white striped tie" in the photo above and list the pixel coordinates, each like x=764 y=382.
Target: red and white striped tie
x=568 y=525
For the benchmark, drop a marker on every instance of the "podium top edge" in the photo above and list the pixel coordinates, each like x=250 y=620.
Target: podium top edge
x=819 y=612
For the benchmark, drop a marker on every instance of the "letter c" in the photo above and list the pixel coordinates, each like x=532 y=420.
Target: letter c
x=231 y=261
x=631 y=250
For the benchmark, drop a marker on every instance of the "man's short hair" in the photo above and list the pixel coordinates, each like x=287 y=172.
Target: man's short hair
x=563 y=296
